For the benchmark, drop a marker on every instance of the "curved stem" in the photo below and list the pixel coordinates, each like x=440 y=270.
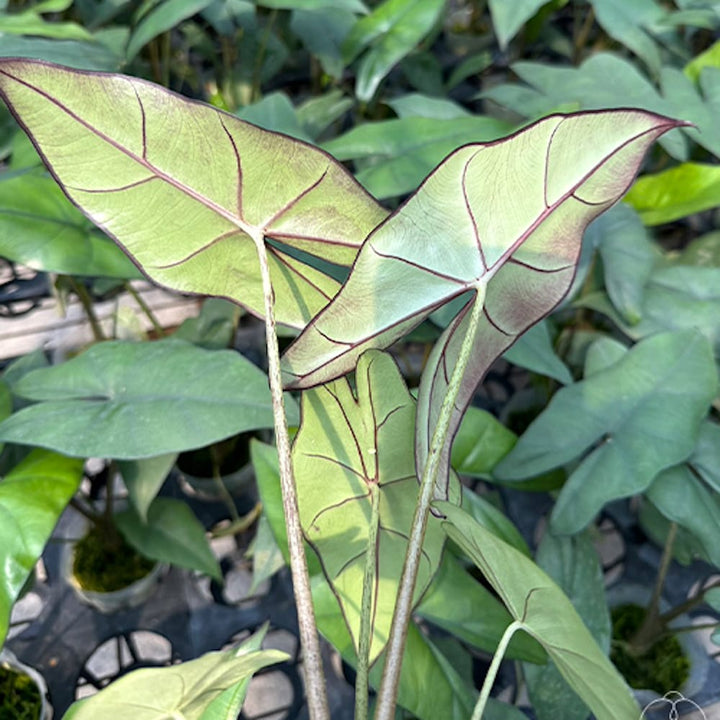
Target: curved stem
x=387 y=697
x=366 y=615
x=314 y=674
x=492 y=672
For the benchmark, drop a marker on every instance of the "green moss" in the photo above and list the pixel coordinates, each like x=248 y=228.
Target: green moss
x=19 y=696
x=104 y=566
x=662 y=669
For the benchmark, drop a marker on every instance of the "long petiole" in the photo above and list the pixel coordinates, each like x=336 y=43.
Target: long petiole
x=387 y=697
x=314 y=674
x=366 y=616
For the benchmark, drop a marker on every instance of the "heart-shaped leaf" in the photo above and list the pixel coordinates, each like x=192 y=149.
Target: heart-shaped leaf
x=188 y=190
x=537 y=602
x=503 y=220
x=349 y=447
x=127 y=400
x=32 y=496
x=627 y=422
x=183 y=691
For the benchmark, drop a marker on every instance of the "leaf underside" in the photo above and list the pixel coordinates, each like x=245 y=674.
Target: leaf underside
x=188 y=190
x=503 y=219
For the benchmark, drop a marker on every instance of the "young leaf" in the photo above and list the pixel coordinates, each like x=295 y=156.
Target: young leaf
x=628 y=422
x=537 y=602
x=188 y=190
x=503 y=219
x=181 y=691
x=133 y=400
x=348 y=448
x=32 y=496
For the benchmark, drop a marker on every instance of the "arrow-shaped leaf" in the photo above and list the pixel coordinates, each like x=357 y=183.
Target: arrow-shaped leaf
x=187 y=190
x=503 y=220
x=348 y=448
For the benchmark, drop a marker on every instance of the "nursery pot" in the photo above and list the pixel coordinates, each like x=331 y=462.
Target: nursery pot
x=195 y=469
x=690 y=644
x=126 y=596
x=23 y=692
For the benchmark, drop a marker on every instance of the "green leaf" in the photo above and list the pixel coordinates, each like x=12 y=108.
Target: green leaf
x=508 y=18
x=427 y=106
x=185 y=691
x=171 y=534
x=275 y=112
x=134 y=400
x=573 y=563
x=161 y=18
x=356 y=6
x=702 y=251
x=537 y=602
x=630 y=23
x=481 y=442
x=682 y=498
x=708 y=58
x=460 y=605
x=214 y=327
x=712 y=598
x=487 y=220
x=266 y=554
x=82 y=55
x=188 y=190
x=391 y=32
x=627 y=422
x=32 y=497
x=673 y=194
x=318 y=113
x=393 y=156
x=359 y=444
x=534 y=351
x=41 y=229
x=450 y=698
x=31 y=22
x=144 y=478
x=628 y=257
x=705 y=459
x=6 y=404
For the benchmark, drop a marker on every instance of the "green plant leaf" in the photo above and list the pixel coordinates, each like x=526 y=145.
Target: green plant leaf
x=508 y=18
x=534 y=351
x=31 y=22
x=682 y=498
x=460 y=605
x=705 y=459
x=6 y=404
x=708 y=58
x=184 y=188
x=573 y=563
x=627 y=422
x=171 y=534
x=390 y=32
x=160 y=18
x=41 y=229
x=702 y=251
x=144 y=478
x=515 y=247
x=133 y=400
x=72 y=53
x=481 y=442
x=32 y=497
x=182 y=692
x=393 y=156
x=361 y=443
x=536 y=601
x=673 y=194
x=266 y=554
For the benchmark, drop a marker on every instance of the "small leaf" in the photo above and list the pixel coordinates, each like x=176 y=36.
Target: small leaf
x=705 y=459
x=188 y=190
x=360 y=444
x=392 y=31
x=133 y=400
x=183 y=691
x=537 y=602
x=172 y=534
x=144 y=478
x=534 y=351
x=508 y=18
x=32 y=497
x=31 y=22
x=628 y=422
x=676 y=193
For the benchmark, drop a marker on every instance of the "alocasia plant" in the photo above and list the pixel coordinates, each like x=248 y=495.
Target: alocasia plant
x=205 y=203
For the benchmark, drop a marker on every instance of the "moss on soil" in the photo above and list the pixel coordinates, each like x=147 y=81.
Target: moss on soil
x=101 y=566
x=662 y=669
x=19 y=696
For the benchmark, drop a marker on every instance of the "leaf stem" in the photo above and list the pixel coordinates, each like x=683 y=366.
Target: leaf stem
x=492 y=672
x=366 y=614
x=314 y=674
x=149 y=314
x=387 y=697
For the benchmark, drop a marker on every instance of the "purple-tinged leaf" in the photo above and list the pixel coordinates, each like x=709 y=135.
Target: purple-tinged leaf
x=502 y=219
x=184 y=187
